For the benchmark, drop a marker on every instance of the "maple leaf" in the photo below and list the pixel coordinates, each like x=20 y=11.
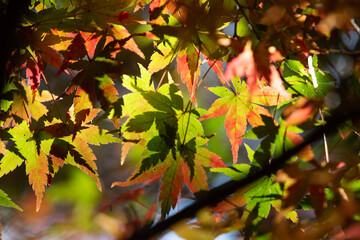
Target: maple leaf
x=279 y=137
x=36 y=163
x=163 y=55
x=186 y=168
x=266 y=192
x=95 y=84
x=2 y=148
x=37 y=169
x=75 y=51
x=188 y=61
x=108 y=90
x=149 y=175
x=10 y=162
x=243 y=64
x=6 y=201
x=33 y=74
x=27 y=103
x=172 y=182
x=81 y=101
x=91 y=40
x=218 y=68
x=157 y=8
x=253 y=67
x=240 y=107
x=120 y=33
x=170 y=136
x=41 y=43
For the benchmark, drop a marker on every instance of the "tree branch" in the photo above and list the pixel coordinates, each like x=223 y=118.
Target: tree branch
x=345 y=112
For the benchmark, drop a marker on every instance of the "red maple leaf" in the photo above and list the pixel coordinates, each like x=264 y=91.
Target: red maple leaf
x=33 y=74
x=254 y=66
x=75 y=51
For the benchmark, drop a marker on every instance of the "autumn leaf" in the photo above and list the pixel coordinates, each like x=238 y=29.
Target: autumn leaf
x=91 y=40
x=172 y=182
x=81 y=101
x=276 y=138
x=33 y=74
x=108 y=90
x=163 y=55
x=266 y=192
x=188 y=168
x=218 y=68
x=36 y=163
x=37 y=169
x=253 y=65
x=157 y=8
x=240 y=108
x=170 y=136
x=42 y=44
x=188 y=61
x=148 y=176
x=120 y=33
x=306 y=153
x=75 y=51
x=26 y=105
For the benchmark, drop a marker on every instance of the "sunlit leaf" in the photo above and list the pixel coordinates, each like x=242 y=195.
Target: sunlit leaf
x=239 y=108
x=6 y=201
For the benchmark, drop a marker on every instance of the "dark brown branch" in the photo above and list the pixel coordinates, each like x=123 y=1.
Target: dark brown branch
x=344 y=112
x=11 y=13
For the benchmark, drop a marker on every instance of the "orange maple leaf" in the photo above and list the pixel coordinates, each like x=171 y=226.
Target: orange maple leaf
x=240 y=107
x=188 y=67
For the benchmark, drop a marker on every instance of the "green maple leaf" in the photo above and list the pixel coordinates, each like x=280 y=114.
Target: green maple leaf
x=6 y=201
x=171 y=137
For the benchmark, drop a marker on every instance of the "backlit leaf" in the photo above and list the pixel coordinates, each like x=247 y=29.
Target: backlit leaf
x=172 y=182
x=119 y=33
x=163 y=56
x=33 y=74
x=9 y=162
x=150 y=175
x=94 y=135
x=37 y=169
x=6 y=201
x=240 y=107
x=188 y=61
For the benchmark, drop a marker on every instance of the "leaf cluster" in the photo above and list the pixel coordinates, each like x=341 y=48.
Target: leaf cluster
x=142 y=66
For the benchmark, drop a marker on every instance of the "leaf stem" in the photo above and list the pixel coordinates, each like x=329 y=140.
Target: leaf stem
x=187 y=124
x=167 y=67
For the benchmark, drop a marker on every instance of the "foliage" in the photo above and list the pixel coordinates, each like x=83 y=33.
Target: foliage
x=141 y=66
